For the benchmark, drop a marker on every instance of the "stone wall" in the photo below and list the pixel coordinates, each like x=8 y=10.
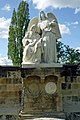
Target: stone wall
x=71 y=95
x=25 y=91
x=10 y=93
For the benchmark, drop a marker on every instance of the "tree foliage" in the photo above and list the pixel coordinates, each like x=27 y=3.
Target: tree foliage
x=18 y=26
x=60 y=51
x=12 y=43
x=72 y=55
x=67 y=55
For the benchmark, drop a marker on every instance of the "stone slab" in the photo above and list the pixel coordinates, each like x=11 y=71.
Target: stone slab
x=42 y=65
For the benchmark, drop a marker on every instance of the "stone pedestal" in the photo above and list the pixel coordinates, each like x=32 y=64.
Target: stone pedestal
x=41 y=91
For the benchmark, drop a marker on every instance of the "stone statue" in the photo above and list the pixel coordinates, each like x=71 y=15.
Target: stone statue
x=50 y=33
x=32 y=44
x=40 y=40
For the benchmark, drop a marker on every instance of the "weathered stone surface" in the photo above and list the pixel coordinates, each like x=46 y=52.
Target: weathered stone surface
x=37 y=100
x=23 y=93
x=10 y=87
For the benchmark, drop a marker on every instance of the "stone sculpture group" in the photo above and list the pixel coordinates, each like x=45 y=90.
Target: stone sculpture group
x=40 y=40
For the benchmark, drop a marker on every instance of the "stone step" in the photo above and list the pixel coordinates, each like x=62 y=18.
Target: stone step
x=42 y=119
x=43 y=116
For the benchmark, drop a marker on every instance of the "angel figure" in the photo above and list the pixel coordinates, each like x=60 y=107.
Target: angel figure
x=32 y=43
x=50 y=33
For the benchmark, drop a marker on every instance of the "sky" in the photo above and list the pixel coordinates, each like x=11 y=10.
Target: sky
x=67 y=13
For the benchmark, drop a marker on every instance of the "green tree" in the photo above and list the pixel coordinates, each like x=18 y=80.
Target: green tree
x=22 y=23
x=72 y=56
x=60 y=51
x=67 y=55
x=17 y=29
x=12 y=45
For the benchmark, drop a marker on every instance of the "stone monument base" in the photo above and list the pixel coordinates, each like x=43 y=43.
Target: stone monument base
x=41 y=91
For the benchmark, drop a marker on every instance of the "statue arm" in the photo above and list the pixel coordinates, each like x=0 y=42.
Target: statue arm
x=31 y=44
x=25 y=40
x=53 y=23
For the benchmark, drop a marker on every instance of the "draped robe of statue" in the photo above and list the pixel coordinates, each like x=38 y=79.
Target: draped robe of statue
x=32 y=47
x=50 y=33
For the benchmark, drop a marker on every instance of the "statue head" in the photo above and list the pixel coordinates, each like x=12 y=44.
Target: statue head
x=42 y=15
x=33 y=28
